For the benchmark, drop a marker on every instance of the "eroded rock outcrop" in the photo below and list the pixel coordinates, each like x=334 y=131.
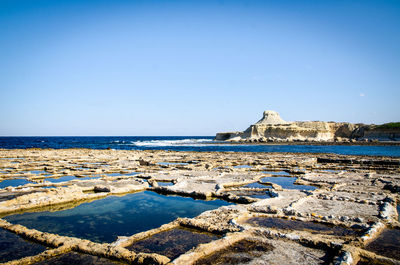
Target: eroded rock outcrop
x=272 y=128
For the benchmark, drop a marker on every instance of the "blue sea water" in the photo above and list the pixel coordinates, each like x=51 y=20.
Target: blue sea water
x=185 y=143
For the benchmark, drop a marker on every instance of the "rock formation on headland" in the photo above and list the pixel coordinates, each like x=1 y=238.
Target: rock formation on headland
x=272 y=128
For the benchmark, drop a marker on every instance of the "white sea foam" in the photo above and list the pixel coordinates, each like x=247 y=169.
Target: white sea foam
x=183 y=142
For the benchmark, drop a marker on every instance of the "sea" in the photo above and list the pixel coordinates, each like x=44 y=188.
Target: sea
x=186 y=143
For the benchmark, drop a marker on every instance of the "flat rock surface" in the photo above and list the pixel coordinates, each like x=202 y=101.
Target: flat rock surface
x=349 y=192
x=285 y=252
x=341 y=208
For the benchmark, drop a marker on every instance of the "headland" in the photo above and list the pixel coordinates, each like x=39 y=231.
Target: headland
x=271 y=128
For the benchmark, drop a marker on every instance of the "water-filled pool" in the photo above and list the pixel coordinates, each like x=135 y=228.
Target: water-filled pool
x=276 y=173
x=122 y=174
x=60 y=179
x=241 y=252
x=287 y=183
x=172 y=243
x=13 y=183
x=103 y=220
x=303 y=226
x=386 y=244
x=243 y=166
x=38 y=172
x=256 y=185
x=13 y=247
x=165 y=183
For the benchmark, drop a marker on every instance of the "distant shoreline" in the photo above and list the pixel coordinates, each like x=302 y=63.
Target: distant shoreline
x=394 y=143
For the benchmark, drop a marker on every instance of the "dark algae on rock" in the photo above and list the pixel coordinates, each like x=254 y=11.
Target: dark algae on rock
x=240 y=252
x=172 y=243
x=386 y=244
x=312 y=227
x=13 y=247
x=74 y=258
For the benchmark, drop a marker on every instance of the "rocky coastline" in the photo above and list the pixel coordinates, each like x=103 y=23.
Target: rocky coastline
x=341 y=143
x=290 y=208
x=271 y=128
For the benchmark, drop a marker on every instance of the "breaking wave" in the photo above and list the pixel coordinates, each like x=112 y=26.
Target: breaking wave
x=183 y=142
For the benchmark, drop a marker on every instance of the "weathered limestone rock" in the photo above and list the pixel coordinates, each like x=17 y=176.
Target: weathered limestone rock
x=272 y=128
x=101 y=188
x=353 y=192
x=271 y=117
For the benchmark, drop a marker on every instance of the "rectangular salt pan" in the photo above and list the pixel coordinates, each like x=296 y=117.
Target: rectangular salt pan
x=105 y=219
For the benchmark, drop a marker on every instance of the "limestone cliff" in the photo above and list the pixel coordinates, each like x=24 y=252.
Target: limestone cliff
x=272 y=128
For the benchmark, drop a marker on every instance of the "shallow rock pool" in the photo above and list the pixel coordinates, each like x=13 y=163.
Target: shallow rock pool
x=312 y=227
x=13 y=183
x=13 y=247
x=105 y=219
x=172 y=243
x=386 y=244
x=287 y=183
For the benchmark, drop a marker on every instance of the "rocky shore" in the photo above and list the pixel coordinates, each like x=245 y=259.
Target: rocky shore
x=286 y=208
x=271 y=128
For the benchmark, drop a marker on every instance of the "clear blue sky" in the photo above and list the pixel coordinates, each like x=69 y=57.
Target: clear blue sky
x=194 y=67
